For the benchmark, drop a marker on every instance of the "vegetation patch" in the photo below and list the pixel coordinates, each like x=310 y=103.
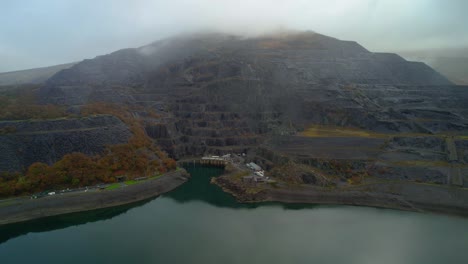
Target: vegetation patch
x=20 y=103
x=332 y=131
x=324 y=131
x=138 y=158
x=131 y=182
x=113 y=186
x=426 y=163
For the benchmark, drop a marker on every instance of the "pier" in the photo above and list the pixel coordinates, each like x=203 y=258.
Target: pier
x=211 y=161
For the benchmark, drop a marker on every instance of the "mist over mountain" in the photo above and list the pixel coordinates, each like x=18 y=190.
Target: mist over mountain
x=296 y=58
x=55 y=31
x=451 y=62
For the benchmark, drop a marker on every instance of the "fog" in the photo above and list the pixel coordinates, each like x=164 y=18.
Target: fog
x=35 y=33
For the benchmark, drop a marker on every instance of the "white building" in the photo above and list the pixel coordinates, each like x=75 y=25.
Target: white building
x=254 y=166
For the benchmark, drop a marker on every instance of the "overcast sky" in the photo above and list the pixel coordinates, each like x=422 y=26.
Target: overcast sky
x=36 y=33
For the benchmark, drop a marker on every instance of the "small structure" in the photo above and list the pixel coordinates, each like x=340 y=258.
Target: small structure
x=260 y=179
x=260 y=173
x=121 y=178
x=253 y=179
x=254 y=166
x=213 y=160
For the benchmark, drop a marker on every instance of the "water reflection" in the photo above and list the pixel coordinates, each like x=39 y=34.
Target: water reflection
x=198 y=188
x=198 y=223
x=10 y=231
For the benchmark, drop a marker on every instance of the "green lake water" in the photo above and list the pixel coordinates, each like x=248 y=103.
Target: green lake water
x=198 y=223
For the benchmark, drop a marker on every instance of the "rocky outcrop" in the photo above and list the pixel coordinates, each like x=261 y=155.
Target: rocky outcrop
x=49 y=140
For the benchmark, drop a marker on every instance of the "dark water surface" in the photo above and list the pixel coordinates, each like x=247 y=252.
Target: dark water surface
x=198 y=223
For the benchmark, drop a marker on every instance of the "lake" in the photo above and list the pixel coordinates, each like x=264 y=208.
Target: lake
x=199 y=223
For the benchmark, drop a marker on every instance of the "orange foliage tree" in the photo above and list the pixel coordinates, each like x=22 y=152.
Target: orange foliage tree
x=139 y=157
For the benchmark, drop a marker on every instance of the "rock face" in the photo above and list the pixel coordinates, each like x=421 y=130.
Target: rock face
x=48 y=141
x=220 y=93
x=292 y=60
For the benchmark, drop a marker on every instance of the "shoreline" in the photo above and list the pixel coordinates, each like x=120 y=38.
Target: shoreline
x=406 y=196
x=25 y=209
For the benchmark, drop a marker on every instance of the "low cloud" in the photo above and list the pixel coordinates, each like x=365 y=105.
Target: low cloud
x=53 y=31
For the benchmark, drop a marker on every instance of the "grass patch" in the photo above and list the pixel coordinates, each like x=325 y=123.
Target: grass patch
x=332 y=131
x=239 y=175
x=131 y=182
x=323 y=131
x=155 y=176
x=424 y=163
x=113 y=186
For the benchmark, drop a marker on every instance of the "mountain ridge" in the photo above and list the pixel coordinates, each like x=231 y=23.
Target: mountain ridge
x=308 y=108
x=322 y=57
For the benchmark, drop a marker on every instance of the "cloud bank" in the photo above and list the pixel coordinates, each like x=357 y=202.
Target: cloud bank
x=37 y=33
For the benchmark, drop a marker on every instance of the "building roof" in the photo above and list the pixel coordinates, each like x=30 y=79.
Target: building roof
x=254 y=166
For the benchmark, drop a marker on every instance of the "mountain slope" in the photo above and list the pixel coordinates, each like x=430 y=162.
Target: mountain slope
x=451 y=62
x=342 y=112
x=329 y=121
x=216 y=93
x=297 y=58
x=219 y=93
x=31 y=76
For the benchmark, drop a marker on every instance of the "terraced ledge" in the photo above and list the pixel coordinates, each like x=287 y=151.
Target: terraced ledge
x=24 y=209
